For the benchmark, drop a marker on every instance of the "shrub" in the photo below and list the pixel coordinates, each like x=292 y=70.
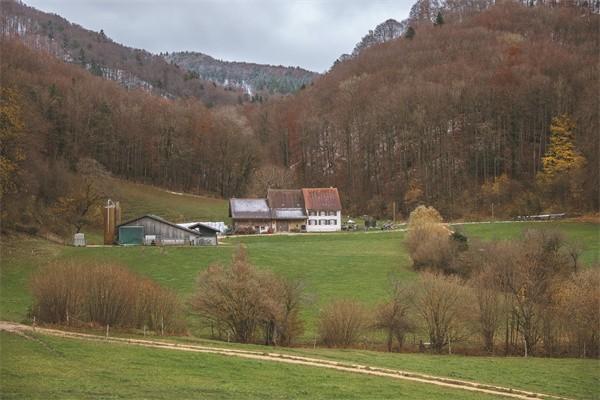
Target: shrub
x=428 y=239
x=240 y=301
x=392 y=316
x=442 y=304
x=342 y=322
x=103 y=294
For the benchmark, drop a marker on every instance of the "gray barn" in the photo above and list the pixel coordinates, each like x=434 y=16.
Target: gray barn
x=153 y=230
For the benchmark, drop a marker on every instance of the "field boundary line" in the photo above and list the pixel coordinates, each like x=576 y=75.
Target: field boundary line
x=291 y=359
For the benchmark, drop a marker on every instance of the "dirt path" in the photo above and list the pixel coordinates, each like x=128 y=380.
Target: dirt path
x=290 y=359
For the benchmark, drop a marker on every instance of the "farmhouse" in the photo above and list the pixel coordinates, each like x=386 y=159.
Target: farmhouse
x=288 y=210
x=153 y=230
x=250 y=215
x=324 y=209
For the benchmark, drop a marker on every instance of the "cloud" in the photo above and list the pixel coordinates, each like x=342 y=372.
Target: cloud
x=306 y=33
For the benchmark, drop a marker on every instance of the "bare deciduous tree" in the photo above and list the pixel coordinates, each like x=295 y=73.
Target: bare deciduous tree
x=242 y=300
x=440 y=302
x=393 y=317
x=342 y=322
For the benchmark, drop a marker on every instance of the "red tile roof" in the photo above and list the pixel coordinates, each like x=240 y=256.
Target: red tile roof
x=325 y=199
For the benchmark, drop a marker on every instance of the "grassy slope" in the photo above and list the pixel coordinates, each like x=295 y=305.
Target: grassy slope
x=332 y=265
x=137 y=199
x=356 y=265
x=586 y=232
x=82 y=370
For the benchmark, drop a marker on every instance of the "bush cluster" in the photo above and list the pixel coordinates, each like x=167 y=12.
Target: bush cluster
x=104 y=294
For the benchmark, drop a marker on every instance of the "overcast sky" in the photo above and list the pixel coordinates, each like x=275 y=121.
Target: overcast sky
x=307 y=33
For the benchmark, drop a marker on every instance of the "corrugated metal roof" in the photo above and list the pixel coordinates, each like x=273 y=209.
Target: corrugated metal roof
x=249 y=209
x=159 y=219
x=325 y=199
x=285 y=198
x=194 y=225
x=289 y=213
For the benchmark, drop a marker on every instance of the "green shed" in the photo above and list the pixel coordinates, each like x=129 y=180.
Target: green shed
x=131 y=235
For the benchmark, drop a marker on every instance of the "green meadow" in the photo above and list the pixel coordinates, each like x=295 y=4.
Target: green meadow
x=355 y=265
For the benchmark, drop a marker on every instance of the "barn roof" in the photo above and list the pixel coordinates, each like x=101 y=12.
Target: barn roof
x=285 y=198
x=194 y=225
x=289 y=213
x=163 y=221
x=326 y=199
x=249 y=209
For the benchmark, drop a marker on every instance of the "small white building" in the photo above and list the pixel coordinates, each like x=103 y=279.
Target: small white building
x=323 y=209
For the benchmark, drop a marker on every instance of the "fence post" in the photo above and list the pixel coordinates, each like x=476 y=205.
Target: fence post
x=107 y=328
x=162 y=325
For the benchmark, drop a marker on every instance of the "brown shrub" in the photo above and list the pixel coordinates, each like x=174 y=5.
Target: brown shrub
x=393 y=316
x=442 y=303
x=239 y=301
x=342 y=322
x=103 y=294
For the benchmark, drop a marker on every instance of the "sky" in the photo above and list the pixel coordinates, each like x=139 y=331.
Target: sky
x=308 y=33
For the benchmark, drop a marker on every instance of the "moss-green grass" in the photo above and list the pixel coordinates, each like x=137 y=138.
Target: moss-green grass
x=137 y=199
x=53 y=368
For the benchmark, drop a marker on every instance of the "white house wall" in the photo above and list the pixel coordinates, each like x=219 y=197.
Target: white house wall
x=316 y=223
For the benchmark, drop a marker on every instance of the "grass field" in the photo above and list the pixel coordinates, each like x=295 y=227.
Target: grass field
x=52 y=368
x=357 y=265
x=138 y=199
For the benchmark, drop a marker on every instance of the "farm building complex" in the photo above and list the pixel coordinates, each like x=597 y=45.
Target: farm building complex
x=288 y=210
x=153 y=230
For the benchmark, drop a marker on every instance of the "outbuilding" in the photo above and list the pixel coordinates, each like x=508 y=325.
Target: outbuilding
x=287 y=209
x=153 y=230
x=250 y=215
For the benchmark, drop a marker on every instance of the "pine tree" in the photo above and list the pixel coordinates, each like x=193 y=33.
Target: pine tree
x=439 y=19
x=410 y=32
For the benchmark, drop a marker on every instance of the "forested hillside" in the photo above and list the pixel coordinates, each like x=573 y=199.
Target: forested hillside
x=96 y=52
x=255 y=79
x=479 y=112
x=458 y=115
x=63 y=128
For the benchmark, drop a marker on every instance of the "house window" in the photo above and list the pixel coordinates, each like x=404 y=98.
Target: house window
x=331 y=213
x=332 y=222
x=322 y=213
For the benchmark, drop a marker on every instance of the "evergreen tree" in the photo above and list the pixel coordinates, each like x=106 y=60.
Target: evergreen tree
x=439 y=19
x=410 y=32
